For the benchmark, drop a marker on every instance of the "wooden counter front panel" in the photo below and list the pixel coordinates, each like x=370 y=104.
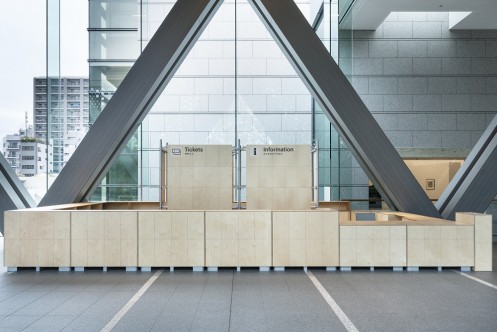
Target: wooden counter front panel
x=104 y=238
x=373 y=245
x=171 y=238
x=238 y=238
x=483 y=242
x=12 y=238
x=483 y=238
x=305 y=238
x=37 y=238
x=440 y=245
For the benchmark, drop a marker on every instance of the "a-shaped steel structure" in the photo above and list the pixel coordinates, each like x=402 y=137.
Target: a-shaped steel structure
x=343 y=106
x=475 y=184
x=132 y=101
x=13 y=194
x=324 y=79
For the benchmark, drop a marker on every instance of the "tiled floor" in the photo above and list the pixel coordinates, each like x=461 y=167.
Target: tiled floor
x=248 y=301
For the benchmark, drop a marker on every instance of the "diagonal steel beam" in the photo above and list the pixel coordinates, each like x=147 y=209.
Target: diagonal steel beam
x=475 y=184
x=13 y=194
x=131 y=102
x=343 y=106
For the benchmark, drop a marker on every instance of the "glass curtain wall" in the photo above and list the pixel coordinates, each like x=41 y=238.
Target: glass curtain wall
x=234 y=84
x=198 y=104
x=273 y=105
x=114 y=38
x=340 y=177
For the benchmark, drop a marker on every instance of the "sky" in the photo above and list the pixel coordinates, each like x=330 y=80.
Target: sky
x=22 y=55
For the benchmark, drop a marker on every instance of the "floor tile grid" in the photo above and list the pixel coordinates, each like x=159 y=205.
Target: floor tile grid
x=76 y=296
x=446 y=295
x=177 y=289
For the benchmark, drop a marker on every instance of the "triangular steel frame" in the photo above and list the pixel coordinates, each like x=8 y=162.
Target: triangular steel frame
x=343 y=106
x=475 y=184
x=164 y=54
x=132 y=101
x=13 y=194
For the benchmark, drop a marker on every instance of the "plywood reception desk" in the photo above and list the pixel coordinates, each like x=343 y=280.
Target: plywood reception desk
x=171 y=238
x=37 y=238
x=305 y=238
x=92 y=235
x=238 y=238
x=375 y=244
x=103 y=239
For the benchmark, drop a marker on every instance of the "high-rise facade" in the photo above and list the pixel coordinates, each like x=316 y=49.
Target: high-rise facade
x=33 y=157
x=11 y=145
x=27 y=155
x=60 y=114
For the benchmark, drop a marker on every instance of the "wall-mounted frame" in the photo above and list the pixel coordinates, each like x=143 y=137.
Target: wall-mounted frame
x=430 y=184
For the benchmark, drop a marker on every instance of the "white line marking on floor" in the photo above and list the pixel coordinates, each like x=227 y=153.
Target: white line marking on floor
x=333 y=305
x=113 y=322
x=477 y=280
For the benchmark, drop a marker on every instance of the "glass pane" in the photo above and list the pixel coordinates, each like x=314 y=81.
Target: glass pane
x=113 y=48
x=344 y=6
x=106 y=14
x=198 y=105
x=336 y=168
x=274 y=106
x=114 y=45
